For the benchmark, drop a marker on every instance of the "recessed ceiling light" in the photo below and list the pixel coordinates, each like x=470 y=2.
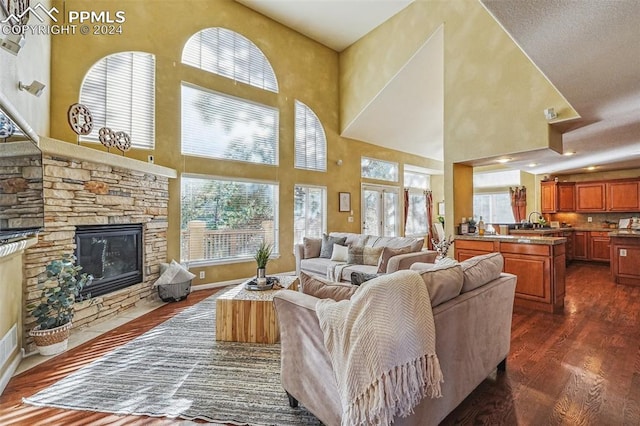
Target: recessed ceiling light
x=503 y=160
x=533 y=164
x=568 y=153
x=592 y=167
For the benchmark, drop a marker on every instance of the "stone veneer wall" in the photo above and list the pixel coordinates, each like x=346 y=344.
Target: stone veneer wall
x=86 y=193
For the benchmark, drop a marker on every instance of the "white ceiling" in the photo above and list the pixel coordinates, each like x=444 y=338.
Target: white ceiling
x=590 y=50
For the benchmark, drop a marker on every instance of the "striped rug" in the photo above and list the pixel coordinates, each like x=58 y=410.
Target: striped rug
x=179 y=370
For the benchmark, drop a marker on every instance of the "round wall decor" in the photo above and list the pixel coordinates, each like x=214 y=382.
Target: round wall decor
x=80 y=119
x=123 y=141
x=107 y=137
x=6 y=126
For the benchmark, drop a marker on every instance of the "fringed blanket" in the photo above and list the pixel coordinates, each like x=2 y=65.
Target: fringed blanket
x=383 y=349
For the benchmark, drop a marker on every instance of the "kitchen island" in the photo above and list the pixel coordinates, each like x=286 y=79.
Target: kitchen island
x=538 y=261
x=625 y=256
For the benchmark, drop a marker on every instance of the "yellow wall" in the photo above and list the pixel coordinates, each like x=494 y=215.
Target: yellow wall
x=11 y=299
x=306 y=70
x=493 y=95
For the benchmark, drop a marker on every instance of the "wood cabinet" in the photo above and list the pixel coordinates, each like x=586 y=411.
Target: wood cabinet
x=591 y=196
x=568 y=245
x=625 y=258
x=540 y=269
x=557 y=197
x=580 y=245
x=599 y=249
x=623 y=196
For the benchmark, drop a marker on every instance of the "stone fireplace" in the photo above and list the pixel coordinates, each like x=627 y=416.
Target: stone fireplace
x=87 y=191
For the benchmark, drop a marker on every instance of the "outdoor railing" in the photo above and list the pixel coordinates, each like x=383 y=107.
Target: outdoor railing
x=198 y=243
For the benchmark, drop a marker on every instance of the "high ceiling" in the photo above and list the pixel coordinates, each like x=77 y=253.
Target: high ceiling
x=588 y=49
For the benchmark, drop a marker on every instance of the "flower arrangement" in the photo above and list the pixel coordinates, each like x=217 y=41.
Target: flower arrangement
x=442 y=247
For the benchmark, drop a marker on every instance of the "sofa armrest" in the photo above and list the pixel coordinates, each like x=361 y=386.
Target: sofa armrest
x=298 y=252
x=306 y=370
x=404 y=261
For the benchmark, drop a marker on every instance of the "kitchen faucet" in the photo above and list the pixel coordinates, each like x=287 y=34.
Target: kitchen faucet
x=539 y=216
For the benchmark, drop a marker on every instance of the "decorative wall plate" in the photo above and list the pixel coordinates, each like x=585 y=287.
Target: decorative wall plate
x=107 y=137
x=80 y=119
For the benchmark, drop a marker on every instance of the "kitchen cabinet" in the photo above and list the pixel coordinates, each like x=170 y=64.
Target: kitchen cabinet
x=599 y=249
x=557 y=197
x=591 y=196
x=623 y=196
x=580 y=245
x=568 y=245
x=540 y=267
x=625 y=257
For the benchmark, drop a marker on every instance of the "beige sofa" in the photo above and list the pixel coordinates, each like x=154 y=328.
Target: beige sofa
x=308 y=258
x=472 y=307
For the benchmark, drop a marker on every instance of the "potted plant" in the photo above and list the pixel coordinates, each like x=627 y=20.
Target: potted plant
x=262 y=258
x=55 y=310
x=472 y=225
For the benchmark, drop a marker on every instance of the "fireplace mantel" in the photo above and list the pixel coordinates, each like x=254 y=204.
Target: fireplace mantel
x=78 y=152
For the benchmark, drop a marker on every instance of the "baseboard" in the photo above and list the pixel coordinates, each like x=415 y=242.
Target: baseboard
x=230 y=282
x=13 y=366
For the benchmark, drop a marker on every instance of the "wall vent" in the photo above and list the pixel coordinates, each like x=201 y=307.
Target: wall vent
x=8 y=344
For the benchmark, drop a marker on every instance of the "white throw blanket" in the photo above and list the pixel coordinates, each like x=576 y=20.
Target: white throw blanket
x=382 y=347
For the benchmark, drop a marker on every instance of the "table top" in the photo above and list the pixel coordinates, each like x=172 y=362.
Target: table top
x=239 y=292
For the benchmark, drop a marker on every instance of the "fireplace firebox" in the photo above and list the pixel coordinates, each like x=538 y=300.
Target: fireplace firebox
x=112 y=254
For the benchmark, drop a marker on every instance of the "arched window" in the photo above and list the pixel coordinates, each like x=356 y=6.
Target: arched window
x=229 y=54
x=310 y=140
x=119 y=90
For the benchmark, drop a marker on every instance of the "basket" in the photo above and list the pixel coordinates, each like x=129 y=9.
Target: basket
x=174 y=292
x=51 y=341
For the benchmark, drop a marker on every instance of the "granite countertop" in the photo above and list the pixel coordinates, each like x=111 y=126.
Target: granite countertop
x=549 y=241
x=626 y=233
x=540 y=231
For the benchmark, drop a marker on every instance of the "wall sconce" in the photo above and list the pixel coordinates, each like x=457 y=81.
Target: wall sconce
x=13 y=43
x=550 y=114
x=35 y=88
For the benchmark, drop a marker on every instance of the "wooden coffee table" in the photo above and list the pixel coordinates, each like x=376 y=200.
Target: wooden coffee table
x=248 y=315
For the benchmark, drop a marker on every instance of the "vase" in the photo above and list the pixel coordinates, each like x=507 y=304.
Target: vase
x=52 y=341
x=261 y=273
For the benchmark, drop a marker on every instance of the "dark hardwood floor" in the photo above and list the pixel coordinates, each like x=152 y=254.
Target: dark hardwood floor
x=581 y=367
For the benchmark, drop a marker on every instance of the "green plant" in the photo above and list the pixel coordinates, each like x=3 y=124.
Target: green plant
x=263 y=254
x=60 y=292
x=472 y=222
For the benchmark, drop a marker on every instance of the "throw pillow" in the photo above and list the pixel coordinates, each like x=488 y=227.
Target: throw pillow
x=311 y=247
x=371 y=255
x=340 y=253
x=479 y=270
x=327 y=245
x=355 y=255
x=325 y=289
x=388 y=253
x=357 y=278
x=444 y=282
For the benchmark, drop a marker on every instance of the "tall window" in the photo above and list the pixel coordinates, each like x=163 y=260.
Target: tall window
x=379 y=169
x=229 y=54
x=310 y=140
x=309 y=212
x=491 y=198
x=226 y=220
x=225 y=127
x=119 y=90
x=417 y=183
x=381 y=211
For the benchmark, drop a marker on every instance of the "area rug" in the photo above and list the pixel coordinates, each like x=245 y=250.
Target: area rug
x=179 y=370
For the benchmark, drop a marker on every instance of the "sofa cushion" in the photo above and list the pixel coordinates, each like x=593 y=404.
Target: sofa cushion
x=316 y=265
x=416 y=244
x=358 y=278
x=364 y=255
x=311 y=247
x=325 y=289
x=479 y=270
x=444 y=281
x=388 y=253
x=351 y=238
x=340 y=253
x=327 y=245
x=345 y=274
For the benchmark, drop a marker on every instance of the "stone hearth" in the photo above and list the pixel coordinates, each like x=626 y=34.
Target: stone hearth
x=84 y=186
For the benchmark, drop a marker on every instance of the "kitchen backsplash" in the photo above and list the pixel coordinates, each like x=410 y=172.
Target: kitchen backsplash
x=598 y=220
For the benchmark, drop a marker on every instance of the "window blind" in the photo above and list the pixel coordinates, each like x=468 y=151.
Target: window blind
x=225 y=127
x=119 y=90
x=225 y=220
x=229 y=54
x=310 y=139
x=310 y=216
